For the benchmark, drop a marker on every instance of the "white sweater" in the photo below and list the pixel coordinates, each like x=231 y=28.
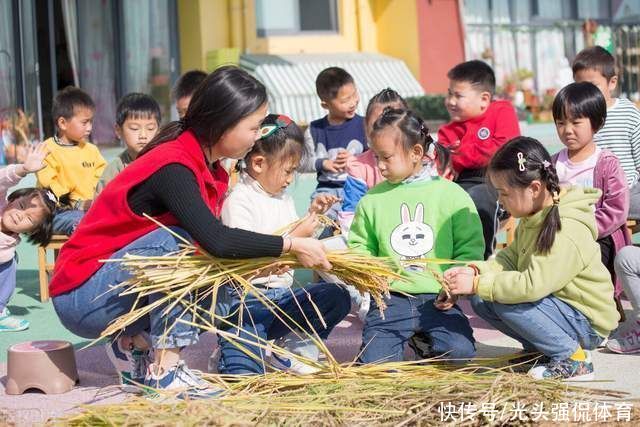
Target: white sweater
x=250 y=207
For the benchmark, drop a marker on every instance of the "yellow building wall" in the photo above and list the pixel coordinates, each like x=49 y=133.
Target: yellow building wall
x=386 y=26
x=396 y=23
x=203 y=26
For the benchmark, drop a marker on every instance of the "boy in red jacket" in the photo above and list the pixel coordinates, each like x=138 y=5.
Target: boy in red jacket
x=479 y=126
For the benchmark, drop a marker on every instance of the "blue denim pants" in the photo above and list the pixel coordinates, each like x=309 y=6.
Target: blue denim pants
x=87 y=310
x=7 y=281
x=66 y=221
x=332 y=301
x=383 y=340
x=550 y=325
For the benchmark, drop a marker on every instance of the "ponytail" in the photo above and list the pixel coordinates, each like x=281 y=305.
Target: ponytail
x=551 y=224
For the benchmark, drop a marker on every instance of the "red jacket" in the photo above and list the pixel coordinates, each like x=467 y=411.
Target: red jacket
x=110 y=225
x=473 y=142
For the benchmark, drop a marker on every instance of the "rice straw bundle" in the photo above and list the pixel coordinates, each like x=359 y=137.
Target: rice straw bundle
x=404 y=393
x=192 y=272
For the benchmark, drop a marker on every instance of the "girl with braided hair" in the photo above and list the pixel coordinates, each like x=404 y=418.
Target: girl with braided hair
x=548 y=289
x=415 y=214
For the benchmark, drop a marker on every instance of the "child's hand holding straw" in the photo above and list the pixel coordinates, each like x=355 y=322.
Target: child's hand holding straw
x=306 y=227
x=322 y=203
x=461 y=280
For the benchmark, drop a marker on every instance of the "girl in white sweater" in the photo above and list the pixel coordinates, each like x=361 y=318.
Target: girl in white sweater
x=259 y=203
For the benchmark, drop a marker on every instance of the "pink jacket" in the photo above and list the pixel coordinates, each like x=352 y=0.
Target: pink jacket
x=612 y=209
x=8 y=241
x=365 y=168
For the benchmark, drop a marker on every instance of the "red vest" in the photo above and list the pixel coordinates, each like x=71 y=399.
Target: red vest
x=110 y=225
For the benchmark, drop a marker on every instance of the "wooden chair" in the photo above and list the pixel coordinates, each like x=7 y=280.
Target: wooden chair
x=44 y=267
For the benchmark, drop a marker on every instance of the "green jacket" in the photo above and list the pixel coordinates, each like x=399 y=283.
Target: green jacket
x=572 y=270
x=114 y=168
x=432 y=218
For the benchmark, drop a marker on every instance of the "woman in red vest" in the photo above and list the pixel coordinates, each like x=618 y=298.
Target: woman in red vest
x=178 y=180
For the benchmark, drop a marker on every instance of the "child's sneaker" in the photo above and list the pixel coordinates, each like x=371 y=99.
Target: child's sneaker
x=8 y=323
x=180 y=381
x=131 y=364
x=291 y=365
x=567 y=369
x=627 y=341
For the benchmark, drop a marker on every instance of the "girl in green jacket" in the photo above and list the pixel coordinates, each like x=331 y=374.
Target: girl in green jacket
x=548 y=289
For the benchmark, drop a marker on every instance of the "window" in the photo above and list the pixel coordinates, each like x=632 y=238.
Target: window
x=287 y=17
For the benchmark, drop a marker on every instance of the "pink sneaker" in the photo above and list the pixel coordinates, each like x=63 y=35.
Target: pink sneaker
x=627 y=342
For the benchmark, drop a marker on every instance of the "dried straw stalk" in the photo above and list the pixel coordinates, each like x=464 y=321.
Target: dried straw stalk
x=404 y=393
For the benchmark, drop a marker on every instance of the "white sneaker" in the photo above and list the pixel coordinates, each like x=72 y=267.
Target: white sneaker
x=180 y=381
x=291 y=365
x=9 y=323
x=131 y=364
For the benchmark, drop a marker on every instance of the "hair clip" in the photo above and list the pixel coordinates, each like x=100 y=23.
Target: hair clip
x=51 y=196
x=282 y=122
x=521 y=162
x=546 y=164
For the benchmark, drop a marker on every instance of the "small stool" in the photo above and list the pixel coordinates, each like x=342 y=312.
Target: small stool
x=49 y=366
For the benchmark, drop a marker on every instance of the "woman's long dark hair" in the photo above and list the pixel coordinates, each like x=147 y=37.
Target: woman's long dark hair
x=522 y=161
x=414 y=131
x=224 y=98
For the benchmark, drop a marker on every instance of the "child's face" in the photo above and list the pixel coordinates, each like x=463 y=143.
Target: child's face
x=575 y=133
x=519 y=202
x=607 y=87
x=136 y=132
x=394 y=162
x=464 y=101
x=182 y=104
x=236 y=142
x=77 y=128
x=343 y=106
x=274 y=175
x=24 y=214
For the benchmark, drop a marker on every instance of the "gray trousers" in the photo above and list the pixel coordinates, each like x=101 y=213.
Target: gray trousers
x=627 y=266
x=634 y=202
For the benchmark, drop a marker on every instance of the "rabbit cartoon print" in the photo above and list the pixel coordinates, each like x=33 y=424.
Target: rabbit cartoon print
x=412 y=239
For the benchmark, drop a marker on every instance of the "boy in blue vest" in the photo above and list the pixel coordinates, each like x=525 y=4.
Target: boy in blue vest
x=331 y=140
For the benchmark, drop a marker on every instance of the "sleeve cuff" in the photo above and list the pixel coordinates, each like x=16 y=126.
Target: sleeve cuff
x=319 y=164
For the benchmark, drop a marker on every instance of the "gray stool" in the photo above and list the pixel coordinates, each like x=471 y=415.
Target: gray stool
x=49 y=366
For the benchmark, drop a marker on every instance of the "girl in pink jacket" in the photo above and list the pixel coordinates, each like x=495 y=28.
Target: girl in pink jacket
x=579 y=111
x=27 y=211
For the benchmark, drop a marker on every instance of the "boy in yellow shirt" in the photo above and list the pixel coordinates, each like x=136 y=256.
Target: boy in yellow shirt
x=74 y=165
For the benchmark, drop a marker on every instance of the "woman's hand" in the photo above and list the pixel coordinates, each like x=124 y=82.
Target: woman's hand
x=323 y=203
x=460 y=280
x=35 y=159
x=306 y=227
x=310 y=253
x=445 y=301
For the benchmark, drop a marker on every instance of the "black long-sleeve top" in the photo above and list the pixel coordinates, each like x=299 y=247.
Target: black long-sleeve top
x=173 y=188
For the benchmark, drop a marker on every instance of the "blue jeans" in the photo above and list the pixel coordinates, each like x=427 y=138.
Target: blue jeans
x=7 y=281
x=383 y=340
x=332 y=301
x=550 y=325
x=66 y=221
x=87 y=310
